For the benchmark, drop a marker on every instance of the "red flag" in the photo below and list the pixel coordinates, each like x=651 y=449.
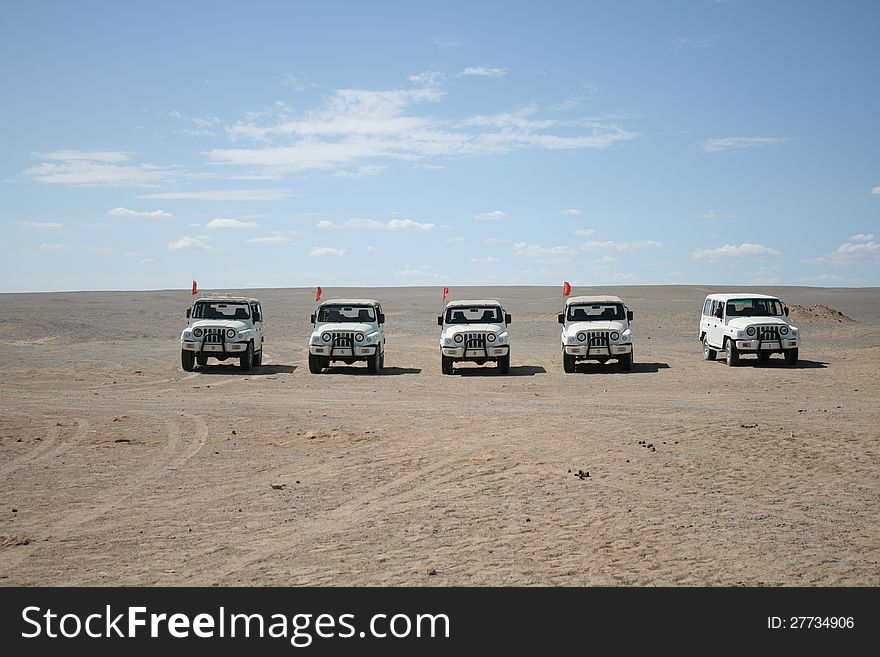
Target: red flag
x=445 y=293
x=195 y=287
x=566 y=288
x=318 y=294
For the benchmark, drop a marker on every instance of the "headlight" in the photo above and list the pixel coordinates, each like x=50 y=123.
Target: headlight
x=458 y=337
x=359 y=337
x=491 y=337
x=197 y=332
x=615 y=336
x=783 y=330
x=230 y=333
x=581 y=336
x=750 y=330
x=326 y=337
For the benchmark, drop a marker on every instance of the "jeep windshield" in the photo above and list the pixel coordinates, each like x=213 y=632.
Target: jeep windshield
x=754 y=308
x=347 y=314
x=219 y=310
x=595 y=312
x=476 y=315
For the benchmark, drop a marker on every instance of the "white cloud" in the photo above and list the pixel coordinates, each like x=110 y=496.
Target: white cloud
x=611 y=245
x=446 y=42
x=324 y=223
x=494 y=215
x=319 y=251
x=98 y=173
x=484 y=71
x=584 y=232
x=572 y=212
x=739 y=143
x=409 y=224
x=125 y=212
x=93 y=156
x=297 y=81
x=371 y=249
x=538 y=251
x=185 y=243
x=862 y=237
x=275 y=239
x=486 y=260
x=225 y=195
x=146 y=261
x=430 y=78
x=875 y=190
x=863 y=247
x=732 y=251
x=40 y=224
x=365 y=223
x=830 y=278
x=230 y=223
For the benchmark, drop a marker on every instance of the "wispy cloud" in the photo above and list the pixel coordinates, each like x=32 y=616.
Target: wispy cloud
x=862 y=237
x=224 y=195
x=446 y=42
x=612 y=245
x=745 y=250
x=409 y=224
x=274 y=239
x=93 y=156
x=875 y=190
x=487 y=260
x=297 y=81
x=230 y=223
x=152 y=214
x=74 y=247
x=372 y=224
x=494 y=215
x=484 y=71
x=826 y=279
x=698 y=43
x=319 y=251
x=572 y=212
x=74 y=168
x=40 y=224
x=720 y=144
x=186 y=243
x=584 y=232
x=539 y=251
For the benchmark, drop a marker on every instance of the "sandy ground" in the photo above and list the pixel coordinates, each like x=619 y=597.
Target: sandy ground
x=119 y=468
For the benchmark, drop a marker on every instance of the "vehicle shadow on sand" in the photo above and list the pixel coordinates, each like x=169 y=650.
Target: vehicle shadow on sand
x=515 y=370
x=262 y=370
x=385 y=371
x=775 y=363
x=614 y=368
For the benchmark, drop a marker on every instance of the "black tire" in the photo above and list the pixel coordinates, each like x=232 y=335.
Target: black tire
x=446 y=364
x=791 y=356
x=568 y=363
x=504 y=364
x=708 y=352
x=246 y=359
x=201 y=359
x=626 y=361
x=732 y=354
x=187 y=360
x=382 y=360
x=316 y=364
x=373 y=363
x=258 y=358
x=763 y=356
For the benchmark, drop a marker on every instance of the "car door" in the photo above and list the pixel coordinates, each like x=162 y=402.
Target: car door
x=380 y=315
x=716 y=324
x=257 y=315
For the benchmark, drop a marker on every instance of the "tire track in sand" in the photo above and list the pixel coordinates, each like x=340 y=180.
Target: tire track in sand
x=50 y=446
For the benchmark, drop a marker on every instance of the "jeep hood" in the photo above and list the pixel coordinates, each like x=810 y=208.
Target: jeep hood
x=345 y=327
x=219 y=323
x=599 y=325
x=454 y=329
x=745 y=322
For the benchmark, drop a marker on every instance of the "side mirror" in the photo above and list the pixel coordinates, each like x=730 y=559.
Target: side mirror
x=381 y=318
x=187 y=313
x=507 y=318
x=560 y=318
x=786 y=311
x=439 y=320
x=629 y=315
x=312 y=318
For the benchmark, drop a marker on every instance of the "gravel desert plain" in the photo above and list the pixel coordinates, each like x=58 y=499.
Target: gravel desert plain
x=119 y=468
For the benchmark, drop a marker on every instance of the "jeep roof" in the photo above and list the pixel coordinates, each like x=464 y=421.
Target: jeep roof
x=473 y=302
x=602 y=298
x=350 y=302
x=739 y=295
x=218 y=298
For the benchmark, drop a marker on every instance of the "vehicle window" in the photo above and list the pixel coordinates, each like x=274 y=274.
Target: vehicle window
x=754 y=308
x=217 y=310
x=707 y=307
x=476 y=315
x=335 y=313
x=595 y=312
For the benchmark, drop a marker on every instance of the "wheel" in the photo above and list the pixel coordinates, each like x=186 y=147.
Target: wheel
x=446 y=364
x=708 y=352
x=258 y=358
x=382 y=360
x=246 y=359
x=626 y=361
x=791 y=356
x=187 y=360
x=504 y=364
x=567 y=363
x=763 y=356
x=373 y=363
x=316 y=364
x=732 y=354
x=202 y=359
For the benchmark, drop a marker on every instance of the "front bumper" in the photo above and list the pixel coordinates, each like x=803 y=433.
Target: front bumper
x=489 y=352
x=342 y=352
x=767 y=345
x=227 y=348
x=586 y=351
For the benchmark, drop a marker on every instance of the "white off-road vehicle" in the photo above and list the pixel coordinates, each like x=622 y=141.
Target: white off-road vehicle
x=474 y=331
x=223 y=327
x=347 y=330
x=596 y=328
x=747 y=323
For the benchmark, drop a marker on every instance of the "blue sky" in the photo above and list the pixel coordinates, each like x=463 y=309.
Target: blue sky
x=275 y=144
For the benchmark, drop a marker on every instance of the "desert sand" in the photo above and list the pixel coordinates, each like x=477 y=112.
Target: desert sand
x=119 y=468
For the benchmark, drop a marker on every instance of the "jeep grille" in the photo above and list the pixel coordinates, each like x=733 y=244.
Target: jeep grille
x=767 y=333
x=342 y=340
x=214 y=335
x=474 y=340
x=597 y=338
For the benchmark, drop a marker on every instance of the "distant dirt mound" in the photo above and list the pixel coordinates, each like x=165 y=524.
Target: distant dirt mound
x=818 y=312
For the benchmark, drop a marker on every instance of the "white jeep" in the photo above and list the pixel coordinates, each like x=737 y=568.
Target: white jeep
x=747 y=323
x=596 y=328
x=347 y=330
x=474 y=331
x=223 y=327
